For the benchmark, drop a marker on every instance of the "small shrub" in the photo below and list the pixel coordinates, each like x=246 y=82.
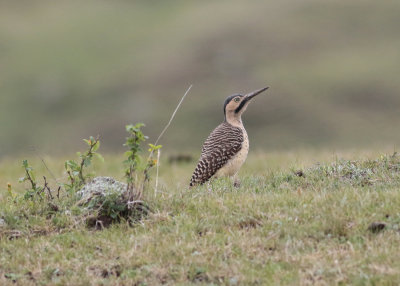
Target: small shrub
x=34 y=191
x=134 y=179
x=75 y=170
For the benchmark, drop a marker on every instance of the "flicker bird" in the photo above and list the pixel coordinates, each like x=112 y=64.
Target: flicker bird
x=226 y=148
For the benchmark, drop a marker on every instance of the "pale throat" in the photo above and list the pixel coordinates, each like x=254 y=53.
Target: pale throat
x=234 y=119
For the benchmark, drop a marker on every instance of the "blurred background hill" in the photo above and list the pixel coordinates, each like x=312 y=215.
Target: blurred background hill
x=71 y=69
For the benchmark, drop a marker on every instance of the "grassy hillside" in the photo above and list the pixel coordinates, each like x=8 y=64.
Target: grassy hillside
x=71 y=69
x=279 y=227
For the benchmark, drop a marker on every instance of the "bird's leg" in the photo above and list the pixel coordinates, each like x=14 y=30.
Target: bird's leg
x=236 y=181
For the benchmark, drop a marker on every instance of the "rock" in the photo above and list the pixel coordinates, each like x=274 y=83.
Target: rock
x=105 y=200
x=102 y=186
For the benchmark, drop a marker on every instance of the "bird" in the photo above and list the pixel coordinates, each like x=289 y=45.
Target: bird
x=226 y=148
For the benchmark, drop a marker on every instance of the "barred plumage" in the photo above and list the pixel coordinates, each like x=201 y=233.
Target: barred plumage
x=226 y=148
x=222 y=144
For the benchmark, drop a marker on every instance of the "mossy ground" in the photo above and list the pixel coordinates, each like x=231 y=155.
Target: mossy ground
x=276 y=228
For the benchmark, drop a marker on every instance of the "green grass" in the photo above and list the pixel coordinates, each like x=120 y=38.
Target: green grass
x=277 y=228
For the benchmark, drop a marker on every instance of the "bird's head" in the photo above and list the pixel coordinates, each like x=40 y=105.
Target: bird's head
x=236 y=104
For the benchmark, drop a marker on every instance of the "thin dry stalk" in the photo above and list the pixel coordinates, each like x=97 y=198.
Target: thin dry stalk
x=157 y=167
x=162 y=133
x=173 y=115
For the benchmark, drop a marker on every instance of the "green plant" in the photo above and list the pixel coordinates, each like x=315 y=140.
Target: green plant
x=135 y=181
x=75 y=170
x=133 y=159
x=34 y=190
x=150 y=161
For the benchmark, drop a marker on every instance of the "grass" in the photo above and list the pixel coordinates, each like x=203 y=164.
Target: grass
x=279 y=227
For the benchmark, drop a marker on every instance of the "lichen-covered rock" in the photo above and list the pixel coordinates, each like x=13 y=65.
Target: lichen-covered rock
x=102 y=186
x=105 y=200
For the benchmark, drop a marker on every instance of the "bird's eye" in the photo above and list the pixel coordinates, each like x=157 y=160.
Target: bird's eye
x=237 y=99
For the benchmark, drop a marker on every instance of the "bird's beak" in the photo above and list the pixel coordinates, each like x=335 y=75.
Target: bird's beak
x=254 y=93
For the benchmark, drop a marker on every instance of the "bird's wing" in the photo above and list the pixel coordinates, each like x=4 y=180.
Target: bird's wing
x=222 y=144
